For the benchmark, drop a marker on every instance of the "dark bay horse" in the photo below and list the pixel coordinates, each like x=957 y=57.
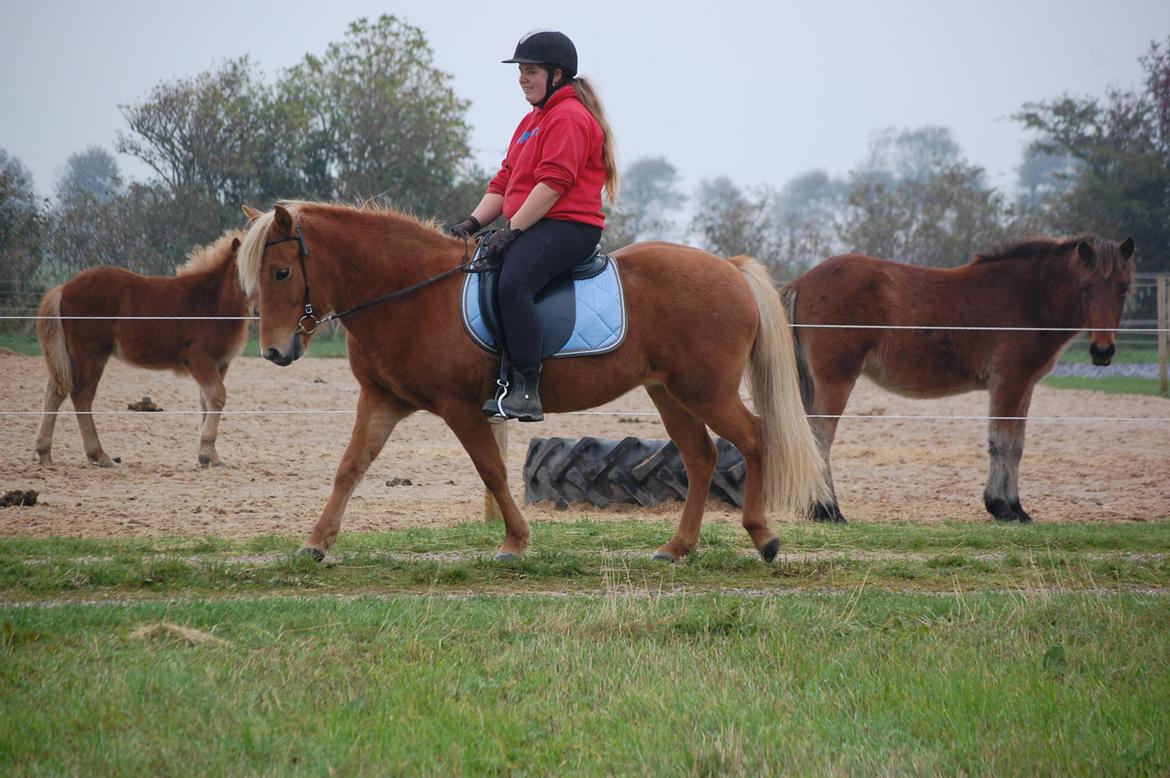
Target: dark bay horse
x=1074 y=284
x=76 y=350
x=696 y=323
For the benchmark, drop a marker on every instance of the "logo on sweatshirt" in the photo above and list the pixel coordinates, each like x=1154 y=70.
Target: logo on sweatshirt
x=527 y=134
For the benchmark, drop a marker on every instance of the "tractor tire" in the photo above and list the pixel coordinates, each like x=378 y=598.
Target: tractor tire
x=630 y=470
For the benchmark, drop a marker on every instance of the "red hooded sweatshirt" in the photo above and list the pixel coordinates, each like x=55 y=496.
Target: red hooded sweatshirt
x=558 y=145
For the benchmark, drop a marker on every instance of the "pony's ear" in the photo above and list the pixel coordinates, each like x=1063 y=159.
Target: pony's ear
x=283 y=219
x=1126 y=248
x=251 y=213
x=1086 y=252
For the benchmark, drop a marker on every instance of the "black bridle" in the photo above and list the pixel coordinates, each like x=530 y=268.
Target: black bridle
x=303 y=251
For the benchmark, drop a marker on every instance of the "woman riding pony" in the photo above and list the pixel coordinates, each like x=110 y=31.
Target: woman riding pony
x=549 y=190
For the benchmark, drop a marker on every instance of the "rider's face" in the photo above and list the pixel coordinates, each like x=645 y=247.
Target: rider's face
x=534 y=82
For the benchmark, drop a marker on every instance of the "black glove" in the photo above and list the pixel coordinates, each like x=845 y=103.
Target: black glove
x=466 y=228
x=497 y=244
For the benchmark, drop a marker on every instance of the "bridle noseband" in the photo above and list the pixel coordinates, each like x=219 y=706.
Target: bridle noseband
x=303 y=251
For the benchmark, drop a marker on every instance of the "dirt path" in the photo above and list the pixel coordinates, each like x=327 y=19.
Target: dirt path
x=281 y=466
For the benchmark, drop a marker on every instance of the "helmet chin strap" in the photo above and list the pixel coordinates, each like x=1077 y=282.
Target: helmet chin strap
x=549 y=88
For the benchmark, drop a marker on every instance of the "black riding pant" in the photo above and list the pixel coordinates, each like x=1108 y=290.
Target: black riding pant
x=541 y=253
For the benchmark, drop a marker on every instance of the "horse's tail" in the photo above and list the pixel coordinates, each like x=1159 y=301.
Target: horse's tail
x=51 y=334
x=794 y=472
x=807 y=388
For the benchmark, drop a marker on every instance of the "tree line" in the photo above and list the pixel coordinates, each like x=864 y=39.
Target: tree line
x=374 y=119
x=1099 y=165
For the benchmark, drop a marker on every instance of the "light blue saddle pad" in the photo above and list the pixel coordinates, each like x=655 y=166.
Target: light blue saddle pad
x=600 y=324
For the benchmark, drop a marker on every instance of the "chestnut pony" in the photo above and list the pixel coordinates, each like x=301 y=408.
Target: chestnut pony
x=1065 y=285
x=76 y=350
x=696 y=323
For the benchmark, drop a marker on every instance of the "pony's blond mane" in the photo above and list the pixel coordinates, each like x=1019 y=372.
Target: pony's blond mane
x=252 y=250
x=202 y=258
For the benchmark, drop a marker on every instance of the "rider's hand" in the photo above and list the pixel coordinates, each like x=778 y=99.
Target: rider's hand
x=466 y=228
x=498 y=243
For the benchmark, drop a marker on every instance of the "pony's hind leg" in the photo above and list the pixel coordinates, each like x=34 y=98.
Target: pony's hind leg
x=53 y=400
x=84 y=389
x=726 y=414
x=824 y=416
x=698 y=455
x=377 y=415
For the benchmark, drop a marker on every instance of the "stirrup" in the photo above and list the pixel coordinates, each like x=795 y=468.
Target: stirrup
x=492 y=408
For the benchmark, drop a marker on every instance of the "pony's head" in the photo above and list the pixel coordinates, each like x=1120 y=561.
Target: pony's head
x=1105 y=273
x=272 y=269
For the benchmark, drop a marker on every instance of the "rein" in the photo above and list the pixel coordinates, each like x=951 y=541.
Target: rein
x=309 y=315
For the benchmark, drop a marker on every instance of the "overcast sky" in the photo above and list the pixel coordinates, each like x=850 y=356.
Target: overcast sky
x=757 y=90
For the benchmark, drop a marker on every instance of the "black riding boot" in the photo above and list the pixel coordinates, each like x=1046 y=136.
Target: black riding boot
x=521 y=398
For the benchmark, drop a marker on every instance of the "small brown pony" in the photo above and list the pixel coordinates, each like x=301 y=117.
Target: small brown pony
x=696 y=322
x=76 y=350
x=1066 y=285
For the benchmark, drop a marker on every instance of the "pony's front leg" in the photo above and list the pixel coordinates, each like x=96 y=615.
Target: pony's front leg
x=212 y=398
x=377 y=415
x=1005 y=449
x=474 y=432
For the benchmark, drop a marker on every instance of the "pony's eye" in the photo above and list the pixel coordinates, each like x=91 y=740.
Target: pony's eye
x=282 y=273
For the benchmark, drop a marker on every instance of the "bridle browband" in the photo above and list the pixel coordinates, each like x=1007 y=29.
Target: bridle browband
x=303 y=251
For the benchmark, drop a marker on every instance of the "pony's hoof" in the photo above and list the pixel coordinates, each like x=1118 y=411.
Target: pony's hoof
x=827 y=512
x=770 y=549
x=45 y=458
x=1024 y=518
x=665 y=556
x=507 y=556
x=316 y=554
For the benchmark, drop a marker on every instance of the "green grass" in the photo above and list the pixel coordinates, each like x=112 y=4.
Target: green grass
x=858 y=682
x=587 y=556
x=329 y=344
x=326 y=344
x=1110 y=385
x=1142 y=353
x=25 y=344
x=864 y=649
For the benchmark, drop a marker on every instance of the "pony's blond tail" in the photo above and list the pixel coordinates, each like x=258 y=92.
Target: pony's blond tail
x=794 y=472
x=51 y=334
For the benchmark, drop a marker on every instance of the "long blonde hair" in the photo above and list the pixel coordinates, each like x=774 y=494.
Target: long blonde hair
x=587 y=94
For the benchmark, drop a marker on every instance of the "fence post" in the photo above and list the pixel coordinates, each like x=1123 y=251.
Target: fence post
x=491 y=509
x=1163 y=299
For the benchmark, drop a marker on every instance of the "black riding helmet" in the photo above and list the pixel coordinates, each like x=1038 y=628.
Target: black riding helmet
x=550 y=49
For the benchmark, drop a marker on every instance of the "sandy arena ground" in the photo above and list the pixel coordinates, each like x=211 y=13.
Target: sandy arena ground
x=280 y=466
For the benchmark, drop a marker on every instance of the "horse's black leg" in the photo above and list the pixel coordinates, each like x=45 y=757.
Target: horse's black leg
x=827 y=511
x=1005 y=448
x=1021 y=514
x=1000 y=508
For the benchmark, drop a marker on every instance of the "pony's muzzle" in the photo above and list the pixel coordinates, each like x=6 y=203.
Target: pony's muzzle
x=285 y=358
x=274 y=355
x=1102 y=356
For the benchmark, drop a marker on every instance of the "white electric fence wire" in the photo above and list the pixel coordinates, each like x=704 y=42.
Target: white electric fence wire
x=893 y=416
x=946 y=327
